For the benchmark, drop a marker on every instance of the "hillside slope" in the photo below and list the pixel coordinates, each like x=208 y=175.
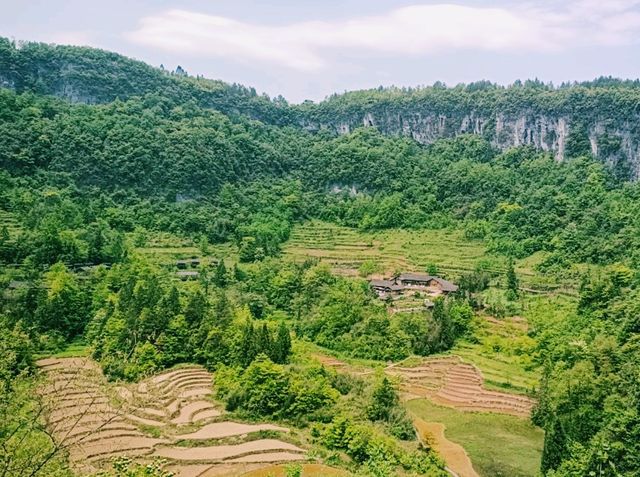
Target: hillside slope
x=91 y=76
x=600 y=117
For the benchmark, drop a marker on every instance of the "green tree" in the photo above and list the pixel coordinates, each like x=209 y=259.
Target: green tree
x=4 y=235
x=247 y=349
x=267 y=387
x=196 y=309
x=264 y=342
x=248 y=249
x=220 y=277
x=383 y=399
x=174 y=341
x=512 y=281
x=282 y=345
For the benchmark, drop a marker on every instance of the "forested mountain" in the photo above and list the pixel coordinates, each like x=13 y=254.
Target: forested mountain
x=599 y=117
x=91 y=76
x=99 y=152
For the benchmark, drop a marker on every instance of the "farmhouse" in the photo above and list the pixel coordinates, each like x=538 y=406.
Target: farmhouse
x=386 y=287
x=185 y=275
x=407 y=283
x=184 y=264
x=422 y=280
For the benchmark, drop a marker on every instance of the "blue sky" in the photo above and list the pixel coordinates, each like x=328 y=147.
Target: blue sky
x=308 y=50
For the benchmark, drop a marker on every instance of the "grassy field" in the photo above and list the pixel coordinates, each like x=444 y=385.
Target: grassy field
x=498 y=445
x=346 y=249
x=164 y=249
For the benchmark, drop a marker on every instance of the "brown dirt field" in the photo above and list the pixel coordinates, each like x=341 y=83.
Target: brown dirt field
x=195 y=470
x=99 y=421
x=219 y=430
x=197 y=392
x=308 y=470
x=224 y=452
x=450 y=382
x=145 y=421
x=329 y=361
x=270 y=457
x=205 y=415
x=453 y=454
x=159 y=378
x=187 y=412
x=228 y=470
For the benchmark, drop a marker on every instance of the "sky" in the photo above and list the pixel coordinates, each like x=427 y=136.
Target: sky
x=310 y=49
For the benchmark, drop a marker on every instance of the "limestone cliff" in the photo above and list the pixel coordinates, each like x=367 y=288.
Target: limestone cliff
x=563 y=129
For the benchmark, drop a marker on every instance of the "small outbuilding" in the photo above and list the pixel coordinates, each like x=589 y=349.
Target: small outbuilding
x=185 y=275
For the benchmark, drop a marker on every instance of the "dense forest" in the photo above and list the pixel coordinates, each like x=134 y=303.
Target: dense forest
x=140 y=152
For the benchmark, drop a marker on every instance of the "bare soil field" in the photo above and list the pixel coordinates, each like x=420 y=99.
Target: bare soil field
x=447 y=381
x=454 y=455
x=95 y=421
x=308 y=470
x=451 y=382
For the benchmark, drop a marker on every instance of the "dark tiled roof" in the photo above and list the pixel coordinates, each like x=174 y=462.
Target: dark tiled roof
x=386 y=284
x=418 y=277
x=423 y=277
x=446 y=285
x=186 y=273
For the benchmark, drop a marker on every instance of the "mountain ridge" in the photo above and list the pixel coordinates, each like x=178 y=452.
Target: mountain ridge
x=599 y=117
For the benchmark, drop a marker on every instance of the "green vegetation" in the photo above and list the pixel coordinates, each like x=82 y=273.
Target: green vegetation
x=498 y=445
x=99 y=200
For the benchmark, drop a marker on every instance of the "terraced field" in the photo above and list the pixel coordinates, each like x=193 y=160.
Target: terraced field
x=164 y=249
x=346 y=249
x=8 y=220
x=445 y=380
x=451 y=382
x=170 y=416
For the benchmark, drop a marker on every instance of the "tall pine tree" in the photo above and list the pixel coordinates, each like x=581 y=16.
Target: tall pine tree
x=512 y=281
x=220 y=276
x=264 y=342
x=282 y=346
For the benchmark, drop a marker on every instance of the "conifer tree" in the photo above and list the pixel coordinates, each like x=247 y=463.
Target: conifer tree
x=222 y=310
x=282 y=347
x=383 y=399
x=512 y=281
x=4 y=234
x=248 y=350
x=220 y=276
x=264 y=341
x=170 y=303
x=238 y=274
x=196 y=308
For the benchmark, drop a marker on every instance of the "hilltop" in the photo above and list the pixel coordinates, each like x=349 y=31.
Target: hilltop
x=595 y=117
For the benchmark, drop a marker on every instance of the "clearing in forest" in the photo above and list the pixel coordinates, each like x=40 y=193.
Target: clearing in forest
x=170 y=415
x=346 y=249
x=454 y=455
x=497 y=444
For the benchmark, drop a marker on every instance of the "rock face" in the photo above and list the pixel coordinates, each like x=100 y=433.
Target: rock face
x=612 y=140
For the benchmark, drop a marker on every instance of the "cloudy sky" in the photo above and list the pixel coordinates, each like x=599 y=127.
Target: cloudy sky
x=308 y=49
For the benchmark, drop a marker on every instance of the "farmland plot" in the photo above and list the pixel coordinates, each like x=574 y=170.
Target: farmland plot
x=170 y=416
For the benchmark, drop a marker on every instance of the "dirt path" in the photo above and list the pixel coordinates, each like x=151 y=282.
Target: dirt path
x=454 y=455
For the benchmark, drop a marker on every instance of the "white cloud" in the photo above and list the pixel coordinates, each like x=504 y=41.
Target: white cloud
x=412 y=30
